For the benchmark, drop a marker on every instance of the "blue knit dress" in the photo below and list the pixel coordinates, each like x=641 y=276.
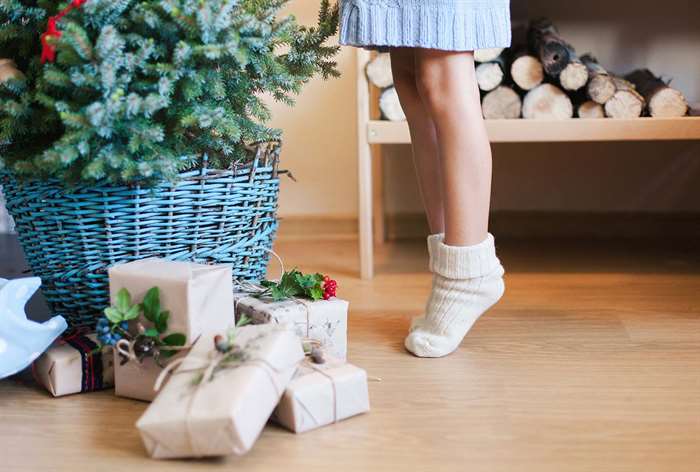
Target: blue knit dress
x=451 y=25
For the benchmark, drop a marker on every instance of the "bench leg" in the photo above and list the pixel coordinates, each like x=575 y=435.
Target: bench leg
x=365 y=211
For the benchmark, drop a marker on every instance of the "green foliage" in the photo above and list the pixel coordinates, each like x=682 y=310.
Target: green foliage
x=117 y=317
x=152 y=311
x=295 y=284
x=123 y=310
x=144 y=89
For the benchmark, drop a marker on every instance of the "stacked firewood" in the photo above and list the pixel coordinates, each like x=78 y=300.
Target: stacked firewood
x=542 y=77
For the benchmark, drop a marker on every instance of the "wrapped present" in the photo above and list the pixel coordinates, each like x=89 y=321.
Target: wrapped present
x=136 y=379
x=219 y=398
x=322 y=394
x=198 y=297
x=74 y=365
x=325 y=321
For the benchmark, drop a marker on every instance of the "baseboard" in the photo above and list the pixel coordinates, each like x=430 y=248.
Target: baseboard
x=510 y=224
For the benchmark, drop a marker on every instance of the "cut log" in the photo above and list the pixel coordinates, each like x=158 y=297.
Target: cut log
x=501 y=103
x=662 y=100
x=626 y=102
x=526 y=71
x=487 y=55
x=379 y=71
x=590 y=109
x=574 y=76
x=554 y=53
x=600 y=86
x=390 y=105
x=547 y=101
x=489 y=75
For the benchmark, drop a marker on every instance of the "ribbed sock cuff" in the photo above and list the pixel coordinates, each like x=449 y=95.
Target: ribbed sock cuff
x=462 y=262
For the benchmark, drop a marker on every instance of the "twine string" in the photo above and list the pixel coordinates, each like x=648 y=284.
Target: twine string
x=218 y=360
x=126 y=348
x=334 y=388
x=253 y=289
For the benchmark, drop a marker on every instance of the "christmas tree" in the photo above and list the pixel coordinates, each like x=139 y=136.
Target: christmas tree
x=137 y=91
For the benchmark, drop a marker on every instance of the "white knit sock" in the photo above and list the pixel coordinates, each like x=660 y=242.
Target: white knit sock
x=467 y=281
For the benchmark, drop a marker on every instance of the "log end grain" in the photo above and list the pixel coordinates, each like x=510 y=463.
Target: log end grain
x=379 y=71
x=501 y=103
x=668 y=103
x=489 y=75
x=554 y=56
x=547 y=101
x=625 y=104
x=590 y=109
x=574 y=76
x=601 y=88
x=527 y=72
x=487 y=55
x=390 y=105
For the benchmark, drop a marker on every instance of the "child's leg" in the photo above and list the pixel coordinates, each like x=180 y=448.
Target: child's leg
x=447 y=86
x=468 y=277
x=423 y=138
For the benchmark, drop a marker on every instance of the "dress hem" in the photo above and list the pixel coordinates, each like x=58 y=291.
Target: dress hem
x=375 y=26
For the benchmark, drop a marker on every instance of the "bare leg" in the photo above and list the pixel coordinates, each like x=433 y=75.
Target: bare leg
x=447 y=85
x=423 y=137
x=468 y=277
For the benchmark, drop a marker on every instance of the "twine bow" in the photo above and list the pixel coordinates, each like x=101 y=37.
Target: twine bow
x=126 y=349
x=48 y=50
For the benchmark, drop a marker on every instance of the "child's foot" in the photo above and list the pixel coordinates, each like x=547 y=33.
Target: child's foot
x=467 y=282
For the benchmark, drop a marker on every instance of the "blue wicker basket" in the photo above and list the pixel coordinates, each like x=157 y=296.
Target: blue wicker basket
x=72 y=235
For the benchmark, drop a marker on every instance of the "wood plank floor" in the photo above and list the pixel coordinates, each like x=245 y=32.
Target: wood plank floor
x=591 y=362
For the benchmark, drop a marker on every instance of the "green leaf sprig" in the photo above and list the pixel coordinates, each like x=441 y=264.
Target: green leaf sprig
x=125 y=319
x=294 y=284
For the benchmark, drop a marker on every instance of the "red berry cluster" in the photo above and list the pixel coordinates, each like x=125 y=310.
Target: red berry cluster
x=330 y=287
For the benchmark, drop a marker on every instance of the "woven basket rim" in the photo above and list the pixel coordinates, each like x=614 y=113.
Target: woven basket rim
x=267 y=150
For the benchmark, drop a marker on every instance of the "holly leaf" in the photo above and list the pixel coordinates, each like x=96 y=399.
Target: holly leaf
x=132 y=313
x=151 y=333
x=175 y=339
x=315 y=293
x=305 y=281
x=162 y=322
x=151 y=304
x=113 y=315
x=123 y=302
x=278 y=294
x=268 y=283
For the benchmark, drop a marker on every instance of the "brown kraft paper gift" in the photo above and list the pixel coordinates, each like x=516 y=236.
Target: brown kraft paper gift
x=225 y=412
x=199 y=298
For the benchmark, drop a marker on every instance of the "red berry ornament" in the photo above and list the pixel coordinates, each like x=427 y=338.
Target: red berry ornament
x=330 y=287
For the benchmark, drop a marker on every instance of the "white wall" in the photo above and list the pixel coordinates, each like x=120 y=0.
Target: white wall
x=320 y=139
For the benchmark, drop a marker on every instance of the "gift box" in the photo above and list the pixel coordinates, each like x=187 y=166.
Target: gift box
x=212 y=406
x=322 y=394
x=74 y=365
x=198 y=297
x=325 y=321
x=135 y=379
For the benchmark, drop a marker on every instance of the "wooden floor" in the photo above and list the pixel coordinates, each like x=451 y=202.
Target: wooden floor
x=590 y=363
